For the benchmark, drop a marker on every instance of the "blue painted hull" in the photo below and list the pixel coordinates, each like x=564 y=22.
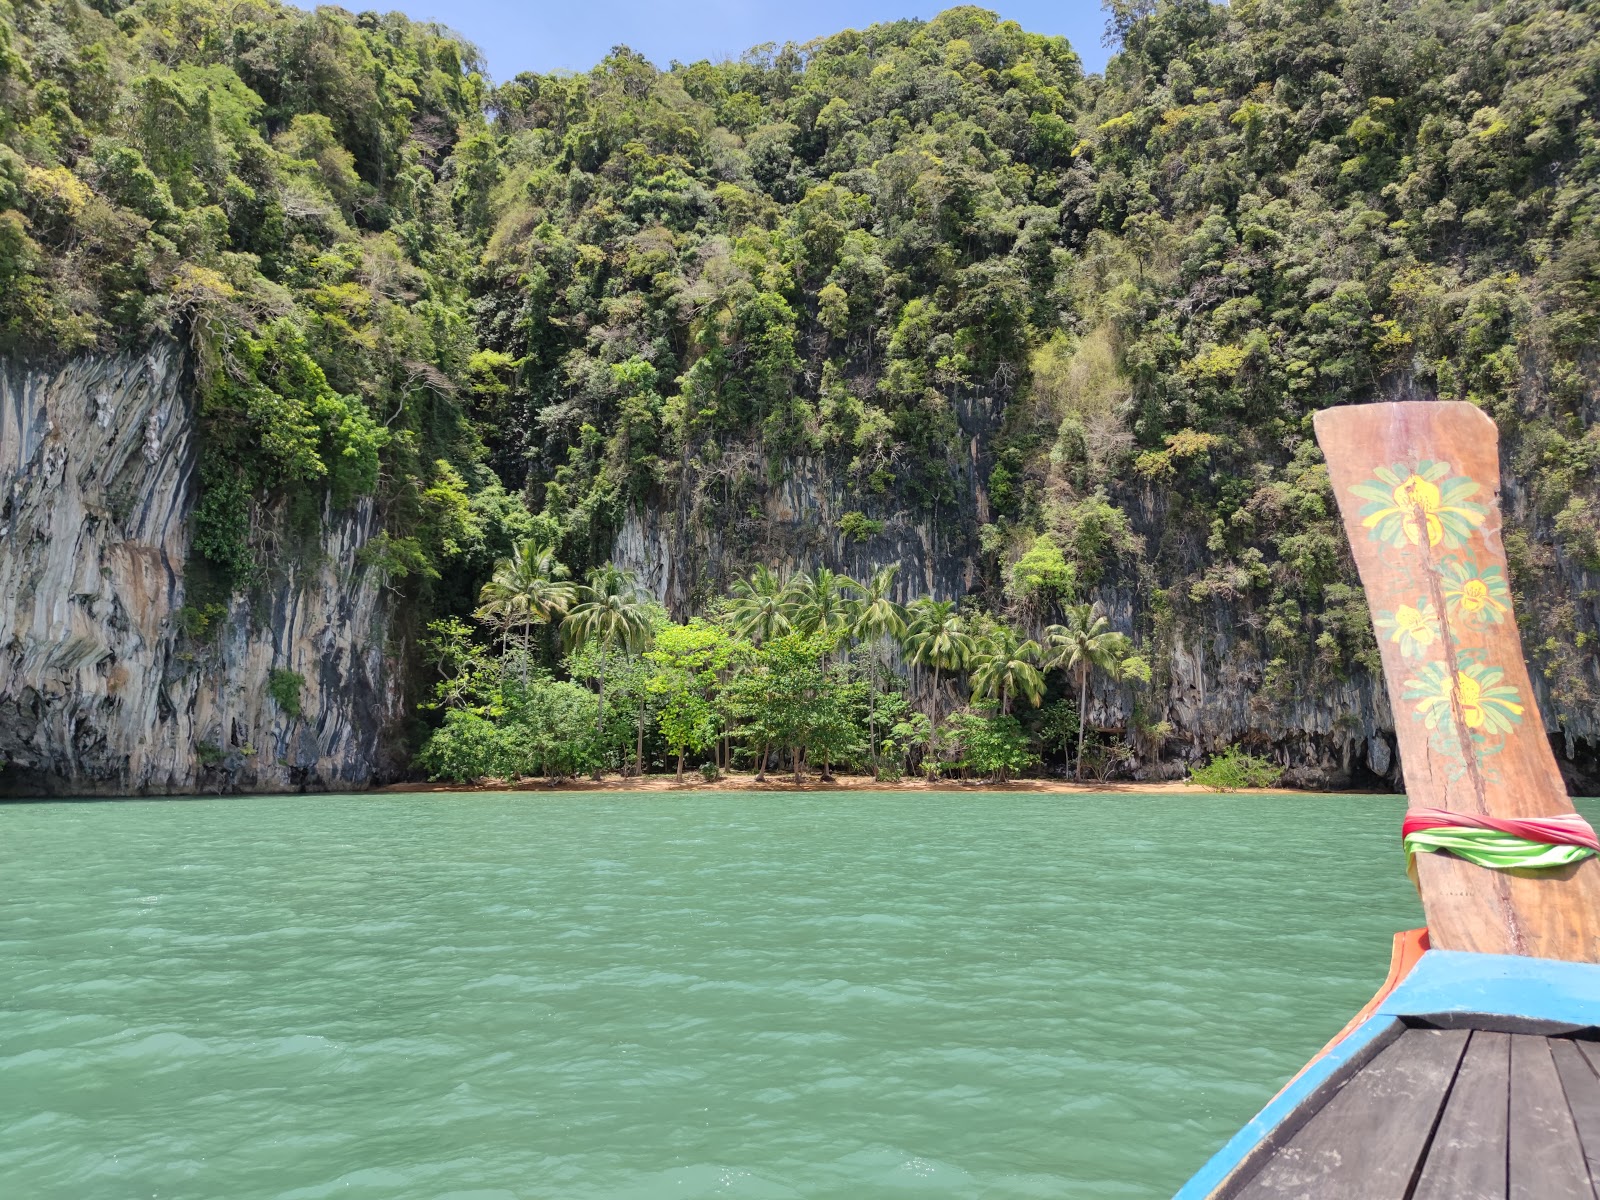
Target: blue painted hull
x=1452 y=985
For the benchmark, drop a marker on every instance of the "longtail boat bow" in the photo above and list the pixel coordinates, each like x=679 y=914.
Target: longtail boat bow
x=1475 y=1072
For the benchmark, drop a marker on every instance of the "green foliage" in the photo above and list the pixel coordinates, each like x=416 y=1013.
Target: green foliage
x=264 y=184
x=787 y=701
x=197 y=620
x=284 y=687
x=768 y=237
x=994 y=747
x=791 y=672
x=643 y=287
x=858 y=527
x=689 y=660
x=1235 y=770
x=542 y=729
x=1042 y=576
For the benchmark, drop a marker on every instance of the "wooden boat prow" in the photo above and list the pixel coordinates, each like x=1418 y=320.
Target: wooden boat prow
x=1455 y=765
x=1475 y=1072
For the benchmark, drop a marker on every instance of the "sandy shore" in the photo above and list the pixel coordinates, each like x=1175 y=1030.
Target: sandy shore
x=742 y=782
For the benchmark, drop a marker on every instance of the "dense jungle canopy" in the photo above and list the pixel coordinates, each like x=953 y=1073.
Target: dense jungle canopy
x=521 y=309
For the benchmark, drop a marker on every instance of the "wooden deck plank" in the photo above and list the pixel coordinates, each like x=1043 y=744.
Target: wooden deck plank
x=1582 y=1089
x=1367 y=1140
x=1546 y=1159
x=1467 y=1158
x=1591 y=1051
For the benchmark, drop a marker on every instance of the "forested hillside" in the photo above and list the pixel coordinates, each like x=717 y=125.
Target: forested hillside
x=927 y=279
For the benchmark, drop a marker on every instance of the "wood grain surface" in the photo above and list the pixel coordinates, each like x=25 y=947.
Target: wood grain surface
x=1418 y=485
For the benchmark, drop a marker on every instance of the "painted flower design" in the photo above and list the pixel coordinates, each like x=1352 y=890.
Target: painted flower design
x=1413 y=629
x=1483 y=595
x=1403 y=503
x=1487 y=704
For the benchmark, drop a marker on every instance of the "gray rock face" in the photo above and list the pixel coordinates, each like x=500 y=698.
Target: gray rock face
x=101 y=690
x=685 y=559
x=1324 y=736
x=1217 y=692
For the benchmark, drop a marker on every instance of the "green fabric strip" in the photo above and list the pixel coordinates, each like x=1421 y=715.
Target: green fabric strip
x=1493 y=849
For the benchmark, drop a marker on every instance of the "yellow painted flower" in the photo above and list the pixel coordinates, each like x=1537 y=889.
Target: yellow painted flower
x=1487 y=704
x=1483 y=595
x=1413 y=629
x=1404 y=504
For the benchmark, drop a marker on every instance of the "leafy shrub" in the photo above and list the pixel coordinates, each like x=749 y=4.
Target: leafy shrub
x=994 y=747
x=196 y=620
x=1234 y=770
x=284 y=688
x=543 y=729
x=709 y=772
x=858 y=527
x=1104 y=758
x=1043 y=575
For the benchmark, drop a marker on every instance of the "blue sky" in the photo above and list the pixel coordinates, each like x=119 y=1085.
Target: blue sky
x=541 y=35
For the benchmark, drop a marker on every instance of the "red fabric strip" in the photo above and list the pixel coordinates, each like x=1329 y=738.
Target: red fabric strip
x=1568 y=829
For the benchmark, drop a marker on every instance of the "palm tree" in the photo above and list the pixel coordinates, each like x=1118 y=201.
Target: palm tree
x=1085 y=642
x=937 y=638
x=526 y=589
x=1005 y=670
x=759 y=610
x=819 y=603
x=610 y=614
x=874 y=616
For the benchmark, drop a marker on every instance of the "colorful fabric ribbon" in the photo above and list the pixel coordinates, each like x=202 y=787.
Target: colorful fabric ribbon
x=1499 y=843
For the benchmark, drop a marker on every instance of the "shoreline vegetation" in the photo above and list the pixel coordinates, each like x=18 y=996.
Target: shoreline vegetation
x=784 y=674
x=746 y=782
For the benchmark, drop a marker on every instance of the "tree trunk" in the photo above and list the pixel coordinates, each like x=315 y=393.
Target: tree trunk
x=796 y=753
x=600 y=715
x=872 y=708
x=638 y=749
x=1083 y=707
x=680 y=766
x=761 y=771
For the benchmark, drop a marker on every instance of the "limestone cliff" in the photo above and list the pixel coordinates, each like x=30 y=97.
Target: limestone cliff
x=1213 y=679
x=103 y=690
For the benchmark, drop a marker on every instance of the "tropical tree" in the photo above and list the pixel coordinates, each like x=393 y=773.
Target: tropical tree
x=1005 y=667
x=819 y=603
x=759 y=609
x=874 y=616
x=937 y=639
x=785 y=700
x=994 y=746
x=527 y=589
x=1083 y=643
x=688 y=660
x=610 y=614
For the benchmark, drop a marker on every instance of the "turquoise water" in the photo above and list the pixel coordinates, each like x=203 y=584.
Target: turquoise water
x=691 y=995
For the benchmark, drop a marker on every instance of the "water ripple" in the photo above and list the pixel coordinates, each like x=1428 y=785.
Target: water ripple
x=614 y=998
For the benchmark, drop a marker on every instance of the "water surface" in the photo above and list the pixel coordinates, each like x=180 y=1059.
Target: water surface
x=694 y=995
